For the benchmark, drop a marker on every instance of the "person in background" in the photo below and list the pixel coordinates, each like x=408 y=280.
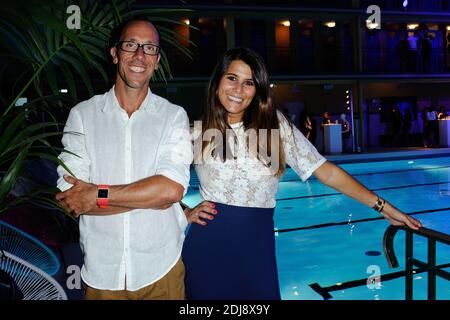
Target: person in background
x=402 y=51
x=396 y=121
x=412 y=51
x=442 y=113
x=346 y=132
x=425 y=51
x=433 y=128
x=326 y=119
x=407 y=124
x=425 y=126
x=305 y=125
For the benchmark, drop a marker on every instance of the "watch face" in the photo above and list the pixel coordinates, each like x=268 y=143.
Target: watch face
x=102 y=193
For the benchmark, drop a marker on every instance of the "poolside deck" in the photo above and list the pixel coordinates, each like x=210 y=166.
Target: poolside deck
x=386 y=154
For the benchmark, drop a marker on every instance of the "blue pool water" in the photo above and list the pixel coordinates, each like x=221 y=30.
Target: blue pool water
x=320 y=239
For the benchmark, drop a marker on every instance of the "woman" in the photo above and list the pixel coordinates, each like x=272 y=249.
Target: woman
x=229 y=252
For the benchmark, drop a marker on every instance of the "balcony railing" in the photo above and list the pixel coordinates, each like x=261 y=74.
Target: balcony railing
x=392 y=60
x=317 y=60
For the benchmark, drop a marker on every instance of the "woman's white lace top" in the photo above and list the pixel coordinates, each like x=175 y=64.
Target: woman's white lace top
x=244 y=180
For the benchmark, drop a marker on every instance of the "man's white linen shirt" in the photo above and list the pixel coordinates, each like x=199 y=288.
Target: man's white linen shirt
x=142 y=245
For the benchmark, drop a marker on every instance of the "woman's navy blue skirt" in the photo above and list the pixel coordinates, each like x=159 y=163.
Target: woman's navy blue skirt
x=232 y=257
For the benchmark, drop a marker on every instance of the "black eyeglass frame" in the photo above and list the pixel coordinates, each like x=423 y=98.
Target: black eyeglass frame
x=119 y=45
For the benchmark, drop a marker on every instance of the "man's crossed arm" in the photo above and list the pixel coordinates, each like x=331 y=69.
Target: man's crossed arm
x=156 y=192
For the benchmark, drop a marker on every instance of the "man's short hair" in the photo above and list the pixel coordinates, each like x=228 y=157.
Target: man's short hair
x=116 y=33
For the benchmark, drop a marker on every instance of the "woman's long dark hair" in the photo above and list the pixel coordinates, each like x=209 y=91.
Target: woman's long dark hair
x=260 y=114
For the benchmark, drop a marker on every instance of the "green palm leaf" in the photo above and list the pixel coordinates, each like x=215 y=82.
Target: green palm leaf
x=9 y=179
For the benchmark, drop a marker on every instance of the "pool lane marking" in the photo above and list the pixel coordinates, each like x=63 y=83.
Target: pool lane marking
x=333 y=224
x=374 y=173
x=196 y=182
x=377 y=189
x=325 y=291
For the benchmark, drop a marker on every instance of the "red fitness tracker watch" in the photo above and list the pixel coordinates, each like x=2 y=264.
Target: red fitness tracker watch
x=102 y=196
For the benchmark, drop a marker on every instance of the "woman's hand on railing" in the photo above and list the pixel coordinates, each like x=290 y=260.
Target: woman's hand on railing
x=204 y=210
x=397 y=218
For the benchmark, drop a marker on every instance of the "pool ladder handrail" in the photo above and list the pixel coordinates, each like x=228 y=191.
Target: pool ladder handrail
x=430 y=267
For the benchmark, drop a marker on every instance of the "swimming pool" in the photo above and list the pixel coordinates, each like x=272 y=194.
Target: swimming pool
x=320 y=238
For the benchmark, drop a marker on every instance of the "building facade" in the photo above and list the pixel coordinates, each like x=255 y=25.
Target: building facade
x=324 y=56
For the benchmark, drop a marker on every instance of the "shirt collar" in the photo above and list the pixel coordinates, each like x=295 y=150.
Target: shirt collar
x=114 y=103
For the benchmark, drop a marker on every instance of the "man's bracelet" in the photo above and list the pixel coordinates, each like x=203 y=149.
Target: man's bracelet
x=379 y=205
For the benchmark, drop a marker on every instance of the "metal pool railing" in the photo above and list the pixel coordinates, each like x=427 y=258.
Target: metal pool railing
x=430 y=266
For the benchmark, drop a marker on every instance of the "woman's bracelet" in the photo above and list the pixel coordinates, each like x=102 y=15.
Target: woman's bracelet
x=379 y=205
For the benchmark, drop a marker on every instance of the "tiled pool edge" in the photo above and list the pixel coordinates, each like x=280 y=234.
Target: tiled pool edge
x=387 y=155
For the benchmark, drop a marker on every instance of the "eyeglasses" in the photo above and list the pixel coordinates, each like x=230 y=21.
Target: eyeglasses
x=131 y=46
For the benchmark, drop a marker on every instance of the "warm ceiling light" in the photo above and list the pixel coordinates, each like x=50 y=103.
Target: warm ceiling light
x=286 y=23
x=448 y=28
x=186 y=21
x=330 y=24
x=412 y=26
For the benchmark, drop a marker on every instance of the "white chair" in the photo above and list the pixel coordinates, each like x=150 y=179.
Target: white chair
x=32 y=282
x=27 y=267
x=28 y=248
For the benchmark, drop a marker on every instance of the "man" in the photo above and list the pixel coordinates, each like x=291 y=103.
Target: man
x=131 y=165
x=326 y=120
x=412 y=51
